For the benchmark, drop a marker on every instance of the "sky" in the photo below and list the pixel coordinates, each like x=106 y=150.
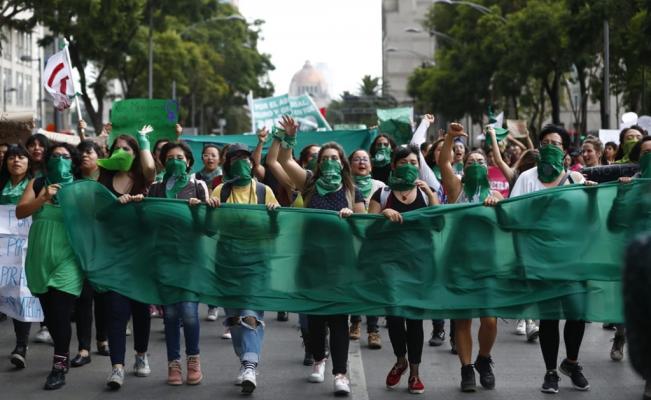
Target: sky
x=346 y=35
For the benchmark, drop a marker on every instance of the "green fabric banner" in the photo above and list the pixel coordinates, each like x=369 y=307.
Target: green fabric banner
x=349 y=140
x=397 y=123
x=130 y=115
x=553 y=254
x=266 y=112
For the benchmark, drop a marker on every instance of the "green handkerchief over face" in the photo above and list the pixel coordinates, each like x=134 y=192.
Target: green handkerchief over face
x=330 y=179
x=475 y=182
x=59 y=170
x=645 y=165
x=120 y=160
x=382 y=157
x=627 y=146
x=365 y=184
x=311 y=165
x=175 y=178
x=241 y=169
x=550 y=165
x=403 y=177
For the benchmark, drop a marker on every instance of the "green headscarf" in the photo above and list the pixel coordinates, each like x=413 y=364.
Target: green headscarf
x=364 y=184
x=550 y=165
x=627 y=146
x=403 y=177
x=645 y=165
x=175 y=178
x=120 y=160
x=330 y=179
x=475 y=182
x=241 y=169
x=382 y=158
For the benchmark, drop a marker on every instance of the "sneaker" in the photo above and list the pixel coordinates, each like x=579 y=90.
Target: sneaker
x=374 y=341
x=393 y=377
x=194 y=370
x=486 y=376
x=56 y=379
x=532 y=331
x=18 y=357
x=342 y=385
x=521 y=327
x=248 y=381
x=318 y=372
x=43 y=336
x=550 y=384
x=141 y=366
x=212 y=314
x=282 y=316
x=574 y=371
x=437 y=339
x=174 y=373
x=240 y=376
x=468 y=383
x=227 y=334
x=647 y=390
x=609 y=327
x=355 y=330
x=153 y=312
x=128 y=330
x=617 y=351
x=415 y=385
x=116 y=379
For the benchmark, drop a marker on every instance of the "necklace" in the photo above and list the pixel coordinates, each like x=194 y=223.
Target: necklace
x=404 y=195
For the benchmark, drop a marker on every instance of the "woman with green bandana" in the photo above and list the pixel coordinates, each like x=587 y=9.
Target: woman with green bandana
x=628 y=137
x=127 y=173
x=329 y=187
x=14 y=177
x=178 y=184
x=53 y=273
x=549 y=173
x=640 y=154
x=404 y=193
x=381 y=150
x=472 y=188
x=360 y=167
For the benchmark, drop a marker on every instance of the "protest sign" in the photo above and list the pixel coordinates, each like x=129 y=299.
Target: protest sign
x=268 y=111
x=130 y=115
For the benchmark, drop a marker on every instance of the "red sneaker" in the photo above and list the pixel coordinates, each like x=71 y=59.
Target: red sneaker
x=393 y=379
x=416 y=386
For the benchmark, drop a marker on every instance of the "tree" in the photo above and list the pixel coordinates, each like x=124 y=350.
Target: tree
x=370 y=86
x=352 y=109
x=10 y=10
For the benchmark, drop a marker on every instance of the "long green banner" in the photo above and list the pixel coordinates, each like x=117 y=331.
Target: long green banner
x=551 y=254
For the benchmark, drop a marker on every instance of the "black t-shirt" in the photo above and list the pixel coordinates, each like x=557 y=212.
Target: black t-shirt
x=395 y=204
x=381 y=173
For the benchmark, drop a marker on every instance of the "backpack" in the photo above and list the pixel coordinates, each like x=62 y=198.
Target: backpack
x=260 y=192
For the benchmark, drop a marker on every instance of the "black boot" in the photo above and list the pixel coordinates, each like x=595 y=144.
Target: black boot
x=57 y=377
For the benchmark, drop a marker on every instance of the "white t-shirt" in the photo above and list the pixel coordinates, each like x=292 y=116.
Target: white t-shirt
x=528 y=182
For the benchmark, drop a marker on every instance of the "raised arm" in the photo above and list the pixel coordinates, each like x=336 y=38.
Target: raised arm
x=258 y=168
x=451 y=182
x=274 y=166
x=295 y=172
x=420 y=136
x=497 y=156
x=146 y=159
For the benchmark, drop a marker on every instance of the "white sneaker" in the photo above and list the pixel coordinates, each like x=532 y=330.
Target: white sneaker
x=240 y=376
x=141 y=366
x=521 y=327
x=532 y=331
x=318 y=372
x=116 y=379
x=43 y=336
x=342 y=385
x=212 y=314
x=248 y=381
x=227 y=333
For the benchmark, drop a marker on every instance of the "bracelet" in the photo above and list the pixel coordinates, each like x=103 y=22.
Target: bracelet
x=143 y=142
x=288 y=142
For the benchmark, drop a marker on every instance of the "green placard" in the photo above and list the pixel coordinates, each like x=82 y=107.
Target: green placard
x=397 y=123
x=130 y=115
x=268 y=111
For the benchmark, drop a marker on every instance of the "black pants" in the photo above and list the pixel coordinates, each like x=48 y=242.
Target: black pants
x=406 y=337
x=121 y=308
x=84 y=315
x=371 y=322
x=21 y=329
x=338 y=324
x=550 y=340
x=57 y=308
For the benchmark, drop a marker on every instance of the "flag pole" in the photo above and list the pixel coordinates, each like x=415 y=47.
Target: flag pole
x=74 y=88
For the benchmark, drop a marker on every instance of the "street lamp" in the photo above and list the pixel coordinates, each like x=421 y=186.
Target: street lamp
x=423 y=57
x=432 y=33
x=40 y=86
x=4 y=97
x=478 y=7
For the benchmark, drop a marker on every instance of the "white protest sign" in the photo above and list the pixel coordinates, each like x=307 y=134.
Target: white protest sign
x=15 y=298
x=609 y=135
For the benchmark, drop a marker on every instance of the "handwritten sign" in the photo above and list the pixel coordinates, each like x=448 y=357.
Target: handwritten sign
x=15 y=298
x=268 y=111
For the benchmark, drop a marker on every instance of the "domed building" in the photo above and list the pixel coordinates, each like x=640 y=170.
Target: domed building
x=310 y=80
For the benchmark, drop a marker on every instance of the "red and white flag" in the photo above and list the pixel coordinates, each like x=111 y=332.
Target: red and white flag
x=57 y=80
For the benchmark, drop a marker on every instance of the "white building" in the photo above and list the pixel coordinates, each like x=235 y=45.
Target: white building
x=309 y=80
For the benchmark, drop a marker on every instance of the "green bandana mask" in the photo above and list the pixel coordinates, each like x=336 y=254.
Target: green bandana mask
x=330 y=179
x=120 y=160
x=59 y=170
x=175 y=178
x=550 y=165
x=627 y=146
x=241 y=169
x=645 y=165
x=311 y=165
x=475 y=182
x=11 y=194
x=403 y=177
x=364 y=184
x=382 y=158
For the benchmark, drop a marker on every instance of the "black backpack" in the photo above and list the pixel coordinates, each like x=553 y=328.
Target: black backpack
x=260 y=192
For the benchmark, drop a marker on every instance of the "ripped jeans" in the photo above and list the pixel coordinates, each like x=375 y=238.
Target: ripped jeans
x=247 y=339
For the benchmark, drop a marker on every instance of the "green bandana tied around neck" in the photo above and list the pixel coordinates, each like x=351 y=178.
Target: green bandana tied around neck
x=550 y=165
x=11 y=194
x=364 y=184
x=175 y=178
x=382 y=158
x=627 y=146
x=330 y=177
x=120 y=160
x=241 y=169
x=403 y=177
x=475 y=182
x=311 y=165
x=645 y=165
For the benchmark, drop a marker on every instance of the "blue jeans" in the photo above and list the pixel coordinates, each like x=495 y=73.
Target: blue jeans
x=187 y=311
x=247 y=339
